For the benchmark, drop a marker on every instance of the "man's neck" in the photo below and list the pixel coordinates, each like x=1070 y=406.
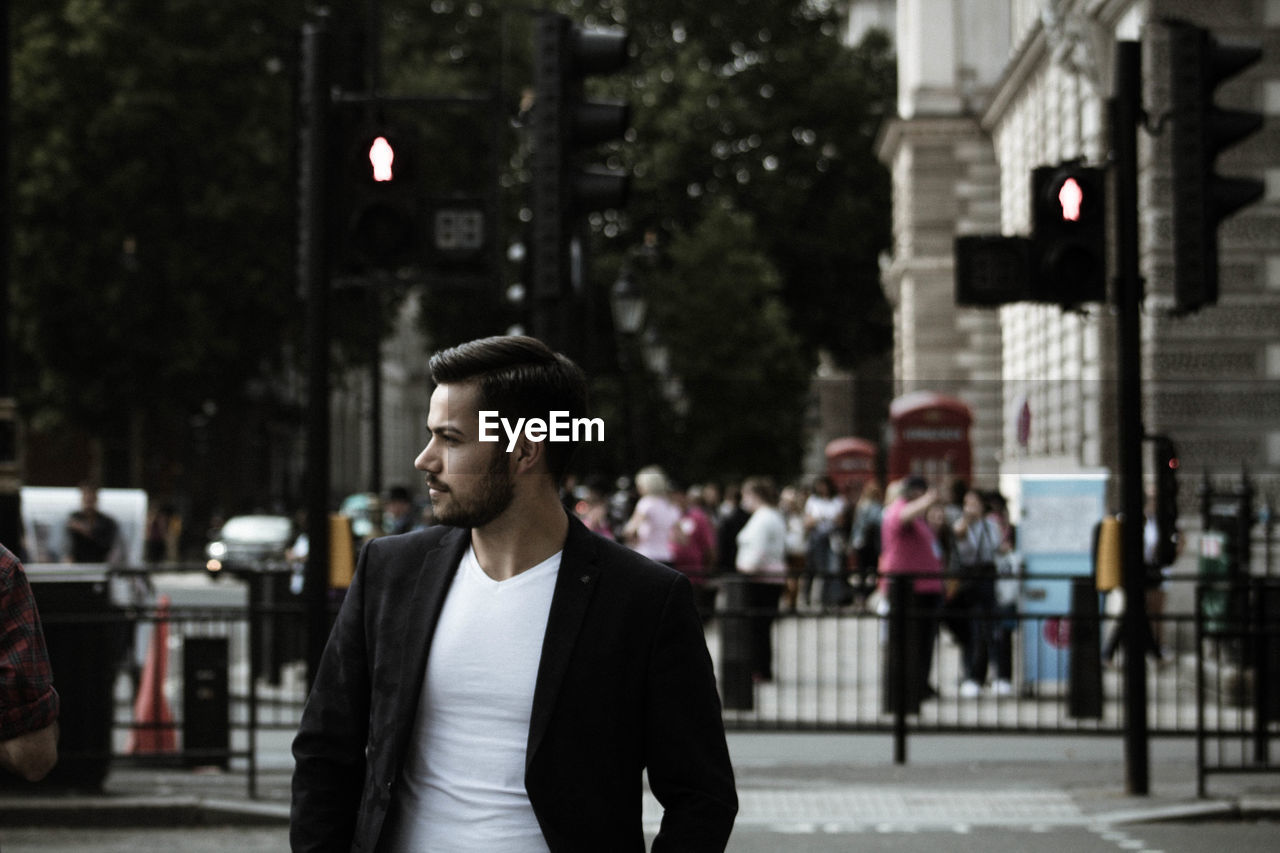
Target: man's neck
x=526 y=534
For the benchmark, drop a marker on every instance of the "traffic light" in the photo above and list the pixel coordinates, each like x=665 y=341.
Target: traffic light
x=1201 y=130
x=1166 y=464
x=992 y=270
x=564 y=124
x=1069 y=234
x=380 y=200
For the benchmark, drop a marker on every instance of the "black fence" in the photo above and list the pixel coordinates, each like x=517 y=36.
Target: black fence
x=1237 y=677
x=843 y=669
x=144 y=682
x=192 y=686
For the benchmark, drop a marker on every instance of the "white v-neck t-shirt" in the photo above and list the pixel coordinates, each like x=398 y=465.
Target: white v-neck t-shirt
x=463 y=782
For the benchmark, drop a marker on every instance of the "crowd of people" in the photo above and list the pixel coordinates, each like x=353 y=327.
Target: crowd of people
x=810 y=547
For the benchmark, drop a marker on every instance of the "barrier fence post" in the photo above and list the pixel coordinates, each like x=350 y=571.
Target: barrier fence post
x=1085 y=668
x=736 y=687
x=897 y=657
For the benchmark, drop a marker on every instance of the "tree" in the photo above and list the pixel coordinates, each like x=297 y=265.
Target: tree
x=744 y=375
x=767 y=114
x=771 y=112
x=154 y=220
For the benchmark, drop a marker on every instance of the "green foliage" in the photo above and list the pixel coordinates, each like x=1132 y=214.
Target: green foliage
x=770 y=113
x=740 y=363
x=153 y=202
x=155 y=186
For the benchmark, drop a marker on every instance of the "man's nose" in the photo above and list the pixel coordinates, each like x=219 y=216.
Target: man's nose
x=428 y=459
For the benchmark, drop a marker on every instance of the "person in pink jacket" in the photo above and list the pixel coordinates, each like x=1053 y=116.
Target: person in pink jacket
x=909 y=547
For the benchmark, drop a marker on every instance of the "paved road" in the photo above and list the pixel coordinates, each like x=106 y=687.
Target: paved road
x=1238 y=837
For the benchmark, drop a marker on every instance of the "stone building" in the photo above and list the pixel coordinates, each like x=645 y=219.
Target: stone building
x=990 y=89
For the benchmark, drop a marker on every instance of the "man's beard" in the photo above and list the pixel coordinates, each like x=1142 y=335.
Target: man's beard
x=495 y=494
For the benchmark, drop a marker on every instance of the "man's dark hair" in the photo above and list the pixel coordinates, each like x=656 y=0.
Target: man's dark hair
x=518 y=377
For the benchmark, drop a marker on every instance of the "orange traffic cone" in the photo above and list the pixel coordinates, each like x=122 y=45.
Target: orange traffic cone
x=153 y=730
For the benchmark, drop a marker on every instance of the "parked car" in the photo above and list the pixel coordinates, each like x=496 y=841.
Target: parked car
x=251 y=542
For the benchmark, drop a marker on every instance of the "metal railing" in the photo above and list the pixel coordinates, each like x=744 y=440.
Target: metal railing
x=1237 y=677
x=843 y=669
x=230 y=685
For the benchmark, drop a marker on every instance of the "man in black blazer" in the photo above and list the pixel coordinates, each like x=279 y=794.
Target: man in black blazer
x=389 y=755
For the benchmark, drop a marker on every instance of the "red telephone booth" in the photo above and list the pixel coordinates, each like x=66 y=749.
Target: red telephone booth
x=850 y=463
x=930 y=438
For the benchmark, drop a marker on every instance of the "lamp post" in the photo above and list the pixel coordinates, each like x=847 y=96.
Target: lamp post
x=628 y=303
x=629 y=308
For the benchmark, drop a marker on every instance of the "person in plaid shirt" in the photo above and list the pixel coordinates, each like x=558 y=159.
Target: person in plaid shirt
x=28 y=702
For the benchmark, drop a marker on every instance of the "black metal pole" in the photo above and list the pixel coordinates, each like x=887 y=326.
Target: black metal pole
x=898 y=682
x=313 y=278
x=375 y=390
x=10 y=467
x=1126 y=110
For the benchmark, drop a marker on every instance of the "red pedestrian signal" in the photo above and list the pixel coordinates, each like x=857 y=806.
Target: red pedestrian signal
x=1070 y=197
x=381 y=157
x=379 y=200
x=1069 y=234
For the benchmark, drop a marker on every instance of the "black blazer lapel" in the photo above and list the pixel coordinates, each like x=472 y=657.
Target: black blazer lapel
x=422 y=611
x=575 y=585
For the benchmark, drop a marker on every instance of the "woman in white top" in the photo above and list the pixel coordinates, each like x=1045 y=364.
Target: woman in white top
x=649 y=529
x=762 y=549
x=822 y=511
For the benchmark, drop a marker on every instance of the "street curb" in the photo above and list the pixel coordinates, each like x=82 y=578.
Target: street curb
x=185 y=810
x=1246 y=808
x=138 y=811
x=1169 y=813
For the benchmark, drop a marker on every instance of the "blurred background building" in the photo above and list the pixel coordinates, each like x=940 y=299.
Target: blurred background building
x=987 y=91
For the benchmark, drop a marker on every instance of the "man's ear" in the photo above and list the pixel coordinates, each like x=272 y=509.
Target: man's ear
x=527 y=454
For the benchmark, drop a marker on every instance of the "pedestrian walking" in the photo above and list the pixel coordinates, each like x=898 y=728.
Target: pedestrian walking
x=762 y=557
x=93 y=536
x=979 y=544
x=864 y=537
x=500 y=682
x=693 y=548
x=823 y=557
x=398 y=511
x=791 y=505
x=1156 y=578
x=649 y=529
x=910 y=548
x=731 y=519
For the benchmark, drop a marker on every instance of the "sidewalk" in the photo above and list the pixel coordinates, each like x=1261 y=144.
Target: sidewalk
x=835 y=781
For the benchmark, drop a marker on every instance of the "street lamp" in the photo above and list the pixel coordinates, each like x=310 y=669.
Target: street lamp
x=629 y=308
x=628 y=303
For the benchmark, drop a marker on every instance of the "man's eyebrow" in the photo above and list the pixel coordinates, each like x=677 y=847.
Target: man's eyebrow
x=445 y=429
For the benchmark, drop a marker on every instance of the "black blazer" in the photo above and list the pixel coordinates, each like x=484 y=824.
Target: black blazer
x=625 y=684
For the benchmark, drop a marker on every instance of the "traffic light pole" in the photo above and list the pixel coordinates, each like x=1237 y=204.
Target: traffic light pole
x=1126 y=113
x=313 y=280
x=10 y=467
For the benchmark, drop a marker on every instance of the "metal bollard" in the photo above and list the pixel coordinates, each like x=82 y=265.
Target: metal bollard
x=737 y=690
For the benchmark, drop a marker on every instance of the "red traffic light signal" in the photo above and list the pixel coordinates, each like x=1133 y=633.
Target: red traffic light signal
x=1069 y=239
x=379 y=201
x=1070 y=197
x=382 y=158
